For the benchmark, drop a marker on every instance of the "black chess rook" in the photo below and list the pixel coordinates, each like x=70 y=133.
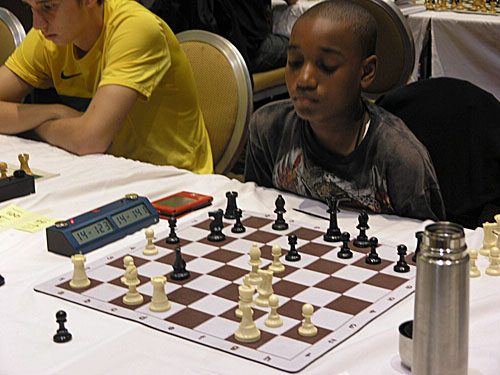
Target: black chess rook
x=231 y=205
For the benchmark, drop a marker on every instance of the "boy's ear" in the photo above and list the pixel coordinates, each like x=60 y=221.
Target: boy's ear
x=89 y=3
x=369 y=70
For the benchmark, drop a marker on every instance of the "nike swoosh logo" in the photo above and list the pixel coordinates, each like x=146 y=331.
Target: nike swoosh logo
x=63 y=76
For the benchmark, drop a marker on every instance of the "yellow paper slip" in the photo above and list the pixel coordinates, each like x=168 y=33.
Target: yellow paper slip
x=21 y=219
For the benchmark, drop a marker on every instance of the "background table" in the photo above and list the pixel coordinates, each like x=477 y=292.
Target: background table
x=104 y=344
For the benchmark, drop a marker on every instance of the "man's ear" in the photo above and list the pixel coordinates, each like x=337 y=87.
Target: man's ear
x=369 y=70
x=89 y=3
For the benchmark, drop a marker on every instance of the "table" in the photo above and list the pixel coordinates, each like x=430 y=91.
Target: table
x=103 y=344
x=464 y=46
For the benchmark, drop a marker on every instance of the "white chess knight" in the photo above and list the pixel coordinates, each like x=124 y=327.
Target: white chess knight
x=159 y=301
x=133 y=297
x=307 y=328
x=265 y=288
x=150 y=248
x=79 y=279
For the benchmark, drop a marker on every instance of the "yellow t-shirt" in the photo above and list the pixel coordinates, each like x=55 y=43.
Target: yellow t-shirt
x=136 y=49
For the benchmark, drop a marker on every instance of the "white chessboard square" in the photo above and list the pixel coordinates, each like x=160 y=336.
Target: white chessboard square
x=332 y=255
x=207 y=283
x=306 y=277
x=330 y=319
x=152 y=269
x=276 y=344
x=366 y=292
x=198 y=249
x=213 y=305
x=192 y=233
x=388 y=253
x=242 y=262
x=316 y=296
x=174 y=308
x=105 y=273
x=287 y=324
x=305 y=260
x=218 y=327
x=240 y=245
x=354 y=273
x=161 y=252
x=204 y=265
x=147 y=288
x=105 y=292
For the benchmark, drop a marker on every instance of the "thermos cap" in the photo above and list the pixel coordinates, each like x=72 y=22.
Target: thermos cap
x=444 y=237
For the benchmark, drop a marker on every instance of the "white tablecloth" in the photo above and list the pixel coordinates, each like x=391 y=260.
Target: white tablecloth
x=103 y=344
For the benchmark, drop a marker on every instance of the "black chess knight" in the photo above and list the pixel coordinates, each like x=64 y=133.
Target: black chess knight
x=180 y=272
x=216 y=226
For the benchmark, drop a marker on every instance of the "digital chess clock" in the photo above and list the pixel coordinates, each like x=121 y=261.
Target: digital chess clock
x=101 y=226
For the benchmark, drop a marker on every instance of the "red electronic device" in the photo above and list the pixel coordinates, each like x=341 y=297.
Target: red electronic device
x=180 y=203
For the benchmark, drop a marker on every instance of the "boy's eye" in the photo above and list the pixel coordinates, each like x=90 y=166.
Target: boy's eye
x=328 y=69
x=294 y=64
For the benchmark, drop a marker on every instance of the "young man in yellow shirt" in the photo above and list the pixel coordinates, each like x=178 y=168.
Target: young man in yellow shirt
x=126 y=84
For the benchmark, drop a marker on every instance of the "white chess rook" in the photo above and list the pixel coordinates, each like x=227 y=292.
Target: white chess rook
x=79 y=279
x=159 y=301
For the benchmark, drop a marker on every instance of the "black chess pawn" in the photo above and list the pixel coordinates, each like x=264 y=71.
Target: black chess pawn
x=238 y=226
x=172 y=237
x=62 y=334
x=216 y=226
x=345 y=252
x=419 y=236
x=373 y=257
x=280 y=223
x=231 y=205
x=362 y=239
x=292 y=255
x=180 y=272
x=401 y=265
x=333 y=232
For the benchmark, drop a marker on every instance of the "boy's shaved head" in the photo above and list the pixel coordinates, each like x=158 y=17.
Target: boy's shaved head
x=348 y=12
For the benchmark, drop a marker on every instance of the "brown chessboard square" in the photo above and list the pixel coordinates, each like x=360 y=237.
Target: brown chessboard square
x=375 y=267
x=185 y=296
x=409 y=260
x=189 y=318
x=287 y=288
x=221 y=255
x=206 y=224
x=315 y=249
x=256 y=222
x=307 y=234
x=293 y=333
x=170 y=258
x=336 y=284
x=261 y=236
x=118 y=282
x=231 y=314
x=229 y=292
x=119 y=302
x=293 y=309
x=93 y=283
x=266 y=252
x=363 y=250
x=228 y=272
x=385 y=281
x=348 y=305
x=325 y=266
x=118 y=263
x=264 y=337
x=172 y=246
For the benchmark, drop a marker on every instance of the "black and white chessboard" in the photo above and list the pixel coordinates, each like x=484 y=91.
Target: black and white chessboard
x=347 y=294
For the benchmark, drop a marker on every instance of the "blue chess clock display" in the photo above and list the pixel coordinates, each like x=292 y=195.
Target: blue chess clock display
x=101 y=226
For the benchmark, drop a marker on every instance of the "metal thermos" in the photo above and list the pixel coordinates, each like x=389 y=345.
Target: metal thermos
x=441 y=315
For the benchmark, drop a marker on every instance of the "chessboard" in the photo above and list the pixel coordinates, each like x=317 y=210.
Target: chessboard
x=346 y=294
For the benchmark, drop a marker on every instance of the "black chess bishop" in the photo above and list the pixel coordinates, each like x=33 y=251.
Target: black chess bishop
x=280 y=223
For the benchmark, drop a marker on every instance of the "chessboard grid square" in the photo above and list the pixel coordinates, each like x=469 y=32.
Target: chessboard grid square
x=212 y=304
x=207 y=284
x=152 y=269
x=218 y=327
x=366 y=292
x=276 y=345
x=330 y=319
x=316 y=296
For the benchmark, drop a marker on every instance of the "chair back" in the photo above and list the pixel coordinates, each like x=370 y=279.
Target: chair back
x=11 y=33
x=395 y=46
x=224 y=93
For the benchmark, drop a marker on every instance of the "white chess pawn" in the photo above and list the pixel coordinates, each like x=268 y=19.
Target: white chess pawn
x=474 y=271
x=273 y=320
x=276 y=266
x=489 y=239
x=494 y=267
x=79 y=279
x=307 y=328
x=247 y=330
x=255 y=262
x=150 y=248
x=159 y=301
x=265 y=288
